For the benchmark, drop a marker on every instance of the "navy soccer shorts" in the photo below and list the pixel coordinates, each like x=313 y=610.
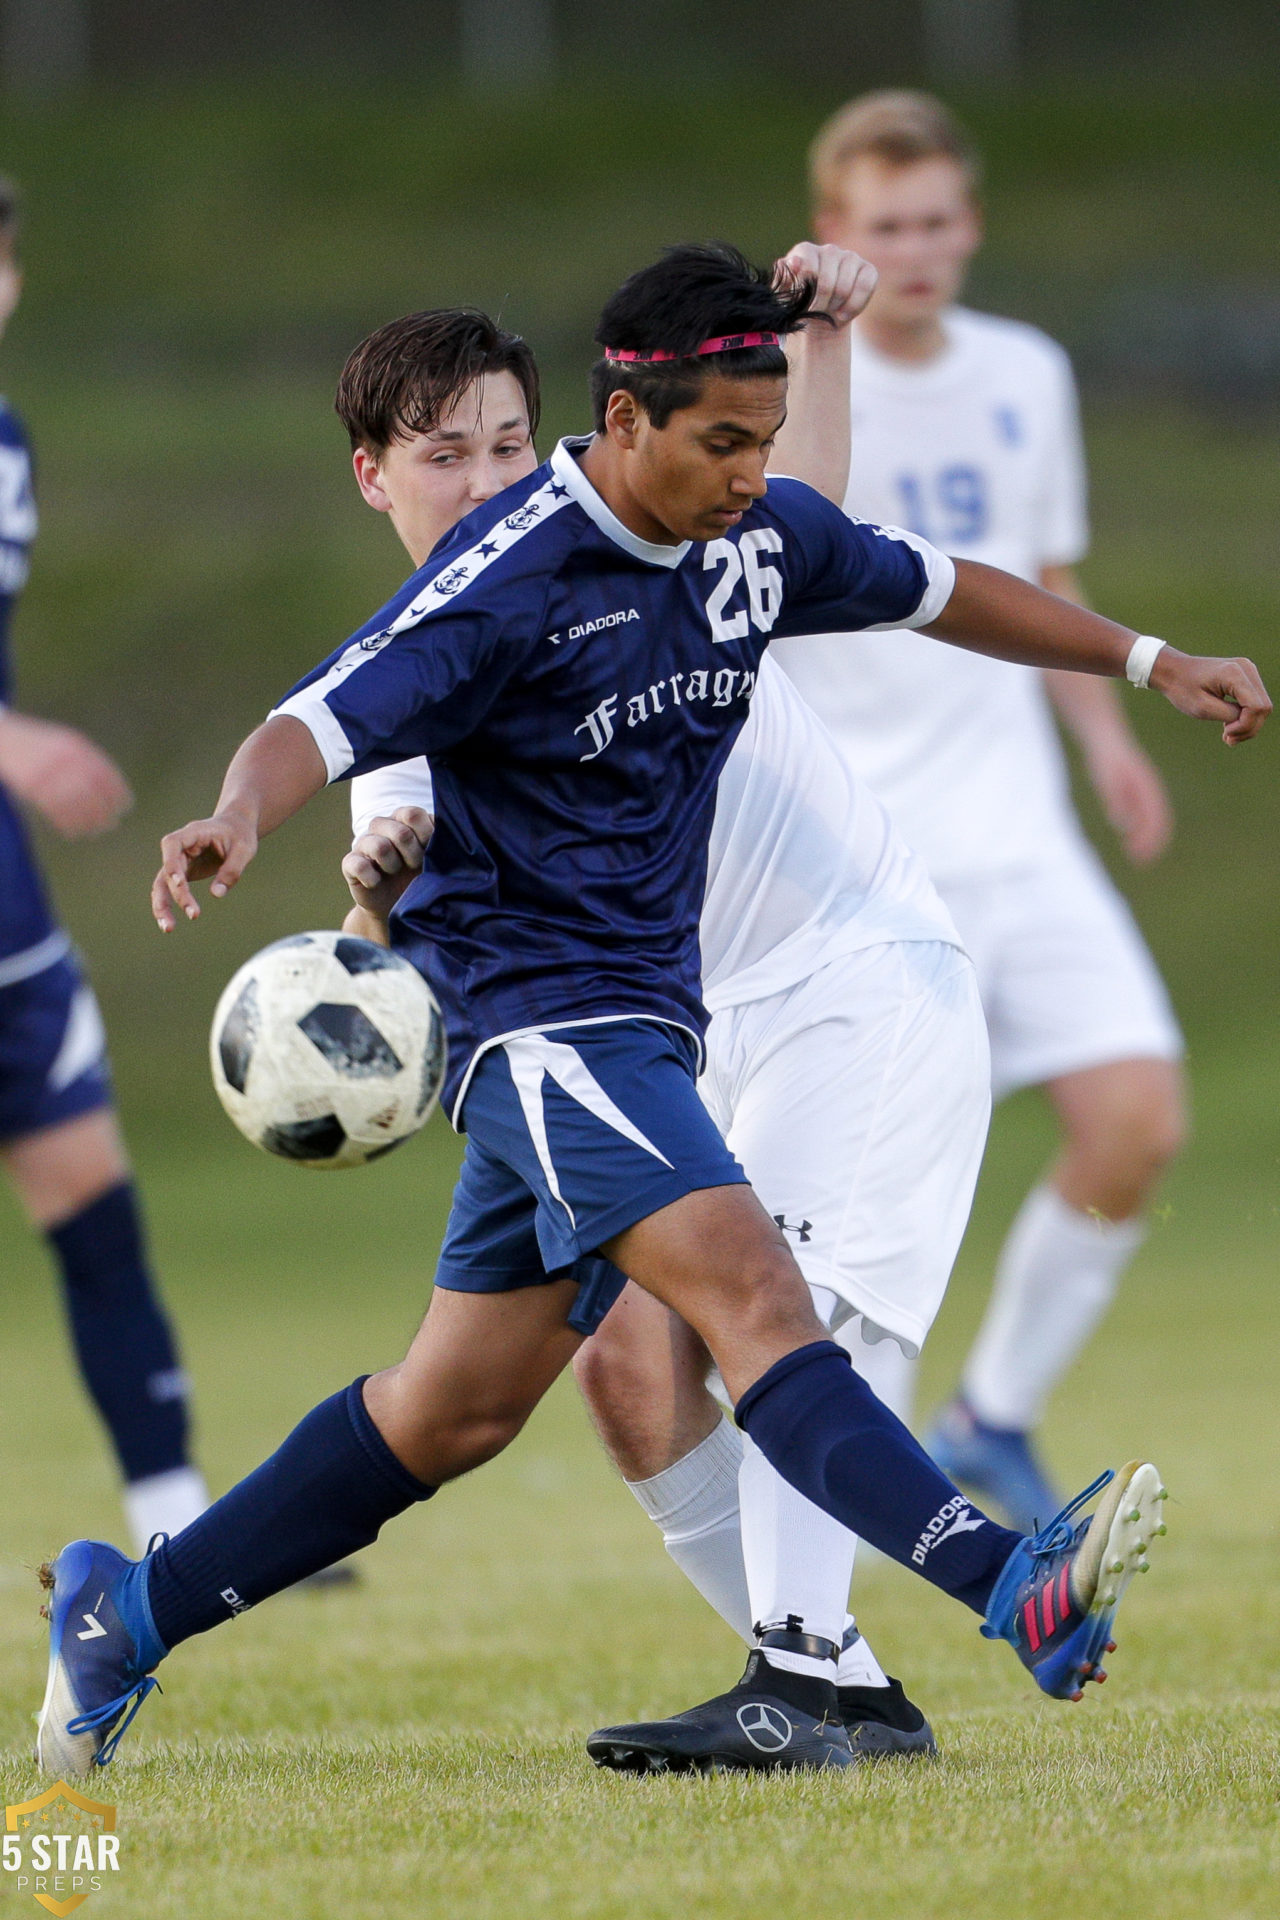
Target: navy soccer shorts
x=573 y=1135
x=53 y=1064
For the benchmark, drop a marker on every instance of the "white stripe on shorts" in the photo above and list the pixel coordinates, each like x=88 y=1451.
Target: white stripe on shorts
x=532 y=1057
x=38 y=959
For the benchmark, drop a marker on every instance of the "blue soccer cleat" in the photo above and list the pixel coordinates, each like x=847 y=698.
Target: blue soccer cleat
x=102 y=1647
x=997 y=1463
x=1057 y=1593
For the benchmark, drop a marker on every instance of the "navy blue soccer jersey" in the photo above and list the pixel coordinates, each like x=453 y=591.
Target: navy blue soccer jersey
x=577 y=690
x=26 y=926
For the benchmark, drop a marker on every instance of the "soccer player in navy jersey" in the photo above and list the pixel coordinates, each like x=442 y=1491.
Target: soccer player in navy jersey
x=59 y=1138
x=575 y=662
x=846 y=1059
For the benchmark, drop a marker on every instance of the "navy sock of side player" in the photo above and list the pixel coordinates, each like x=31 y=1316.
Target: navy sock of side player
x=122 y=1339
x=820 y=1425
x=322 y=1495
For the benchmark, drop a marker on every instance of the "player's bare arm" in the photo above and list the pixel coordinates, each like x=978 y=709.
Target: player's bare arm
x=994 y=613
x=381 y=863
x=813 y=442
x=1124 y=777
x=277 y=770
x=69 y=781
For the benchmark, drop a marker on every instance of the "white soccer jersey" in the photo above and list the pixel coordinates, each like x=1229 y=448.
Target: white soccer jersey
x=803 y=864
x=979 y=450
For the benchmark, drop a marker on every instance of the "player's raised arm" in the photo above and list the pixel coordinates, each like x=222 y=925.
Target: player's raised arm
x=275 y=772
x=995 y=613
x=813 y=443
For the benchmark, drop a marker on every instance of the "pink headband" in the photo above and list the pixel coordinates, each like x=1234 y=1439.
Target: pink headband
x=727 y=343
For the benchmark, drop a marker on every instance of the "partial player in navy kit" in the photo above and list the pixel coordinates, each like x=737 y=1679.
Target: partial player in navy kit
x=59 y=1140
x=575 y=660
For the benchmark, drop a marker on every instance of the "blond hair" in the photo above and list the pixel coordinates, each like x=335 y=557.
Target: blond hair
x=896 y=126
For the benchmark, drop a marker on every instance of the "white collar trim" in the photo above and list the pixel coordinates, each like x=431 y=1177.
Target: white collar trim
x=568 y=471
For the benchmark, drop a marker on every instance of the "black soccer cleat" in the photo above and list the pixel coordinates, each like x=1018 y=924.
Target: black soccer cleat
x=772 y=1721
x=882 y=1723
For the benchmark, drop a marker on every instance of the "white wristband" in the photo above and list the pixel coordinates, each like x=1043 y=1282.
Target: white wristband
x=1142 y=657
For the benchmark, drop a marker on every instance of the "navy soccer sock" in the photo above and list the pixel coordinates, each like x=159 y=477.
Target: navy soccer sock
x=820 y=1425
x=322 y=1495
x=122 y=1339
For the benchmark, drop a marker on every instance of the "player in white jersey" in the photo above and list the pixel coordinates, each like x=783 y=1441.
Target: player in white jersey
x=964 y=428
x=846 y=1065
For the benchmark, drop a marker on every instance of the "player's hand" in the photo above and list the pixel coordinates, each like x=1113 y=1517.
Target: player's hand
x=1226 y=690
x=219 y=849
x=1134 y=797
x=385 y=857
x=843 y=281
x=62 y=774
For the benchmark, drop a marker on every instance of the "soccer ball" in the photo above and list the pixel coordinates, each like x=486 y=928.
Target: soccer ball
x=327 y=1050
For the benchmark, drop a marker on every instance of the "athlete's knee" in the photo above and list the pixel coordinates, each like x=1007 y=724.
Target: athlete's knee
x=441 y=1434
x=59 y=1171
x=607 y=1372
x=1133 y=1120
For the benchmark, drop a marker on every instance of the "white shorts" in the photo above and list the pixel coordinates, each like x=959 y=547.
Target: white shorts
x=857 y=1102
x=1065 y=975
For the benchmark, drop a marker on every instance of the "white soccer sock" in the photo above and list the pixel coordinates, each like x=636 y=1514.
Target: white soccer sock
x=858 y=1665
x=695 y=1503
x=164 y=1503
x=799 y=1561
x=1055 y=1279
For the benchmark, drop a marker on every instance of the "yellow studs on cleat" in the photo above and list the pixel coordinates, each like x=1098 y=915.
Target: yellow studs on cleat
x=1134 y=1513
x=1161 y=1528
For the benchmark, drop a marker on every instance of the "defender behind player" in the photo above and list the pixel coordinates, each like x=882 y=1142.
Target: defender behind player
x=965 y=428
x=59 y=1139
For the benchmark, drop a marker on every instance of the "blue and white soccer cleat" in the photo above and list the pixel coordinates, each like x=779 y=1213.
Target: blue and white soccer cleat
x=102 y=1647
x=996 y=1463
x=1057 y=1593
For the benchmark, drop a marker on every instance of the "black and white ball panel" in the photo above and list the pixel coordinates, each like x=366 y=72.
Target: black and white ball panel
x=327 y=1050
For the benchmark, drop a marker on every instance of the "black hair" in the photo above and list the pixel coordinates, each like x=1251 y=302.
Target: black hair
x=692 y=294
x=408 y=376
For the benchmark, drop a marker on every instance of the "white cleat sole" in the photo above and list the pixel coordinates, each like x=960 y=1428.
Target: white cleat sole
x=67 y=1755
x=1128 y=1519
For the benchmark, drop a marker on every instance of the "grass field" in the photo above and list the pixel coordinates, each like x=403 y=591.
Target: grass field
x=417 y=1745
x=199 y=264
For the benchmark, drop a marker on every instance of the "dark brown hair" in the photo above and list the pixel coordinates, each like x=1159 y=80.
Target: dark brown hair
x=408 y=376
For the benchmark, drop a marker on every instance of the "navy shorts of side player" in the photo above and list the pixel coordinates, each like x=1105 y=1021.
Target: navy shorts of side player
x=52 y=1061
x=574 y=1134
